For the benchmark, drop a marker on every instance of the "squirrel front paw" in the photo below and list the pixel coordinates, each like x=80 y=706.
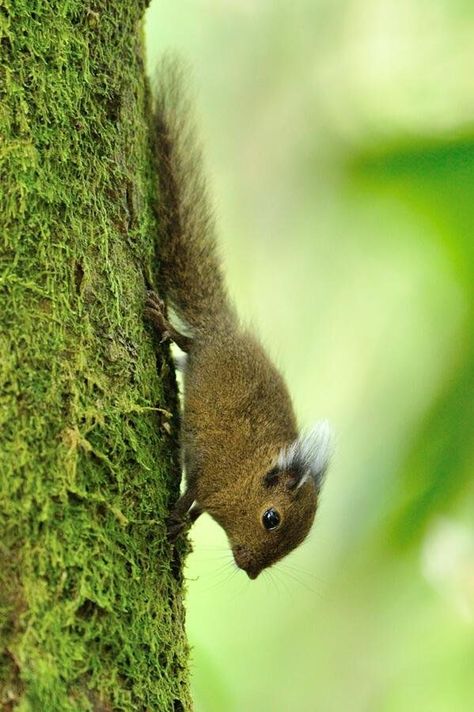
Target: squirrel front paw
x=175 y=526
x=183 y=515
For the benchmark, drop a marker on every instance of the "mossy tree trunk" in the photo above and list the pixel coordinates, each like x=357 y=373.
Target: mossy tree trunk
x=90 y=596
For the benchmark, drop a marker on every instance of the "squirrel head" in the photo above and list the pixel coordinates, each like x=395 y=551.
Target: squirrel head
x=274 y=510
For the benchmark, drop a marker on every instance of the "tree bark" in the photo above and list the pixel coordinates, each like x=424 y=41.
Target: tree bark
x=91 y=614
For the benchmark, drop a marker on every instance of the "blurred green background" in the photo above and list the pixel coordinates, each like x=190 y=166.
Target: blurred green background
x=339 y=139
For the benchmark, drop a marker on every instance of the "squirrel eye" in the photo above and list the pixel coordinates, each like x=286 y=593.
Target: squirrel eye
x=271 y=519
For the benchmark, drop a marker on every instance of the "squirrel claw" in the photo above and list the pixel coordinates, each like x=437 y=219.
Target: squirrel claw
x=165 y=337
x=154 y=302
x=155 y=312
x=175 y=527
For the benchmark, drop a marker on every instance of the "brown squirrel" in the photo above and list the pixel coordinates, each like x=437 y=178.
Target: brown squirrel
x=245 y=463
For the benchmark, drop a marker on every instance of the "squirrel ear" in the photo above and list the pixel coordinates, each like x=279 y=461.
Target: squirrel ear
x=308 y=456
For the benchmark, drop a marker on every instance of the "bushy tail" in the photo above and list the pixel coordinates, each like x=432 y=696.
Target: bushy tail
x=191 y=271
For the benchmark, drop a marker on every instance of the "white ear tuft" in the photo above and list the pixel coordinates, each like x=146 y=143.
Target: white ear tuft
x=309 y=455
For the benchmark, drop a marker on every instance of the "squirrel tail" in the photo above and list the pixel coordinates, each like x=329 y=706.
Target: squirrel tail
x=190 y=266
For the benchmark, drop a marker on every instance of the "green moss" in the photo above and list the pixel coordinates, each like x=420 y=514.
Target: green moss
x=91 y=614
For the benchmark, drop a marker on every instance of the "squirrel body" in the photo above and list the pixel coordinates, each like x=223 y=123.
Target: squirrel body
x=245 y=463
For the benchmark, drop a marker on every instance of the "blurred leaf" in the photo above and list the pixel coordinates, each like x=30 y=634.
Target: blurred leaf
x=437 y=181
x=440 y=465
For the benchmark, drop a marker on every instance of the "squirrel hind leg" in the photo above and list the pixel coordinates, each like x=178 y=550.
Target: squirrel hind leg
x=155 y=312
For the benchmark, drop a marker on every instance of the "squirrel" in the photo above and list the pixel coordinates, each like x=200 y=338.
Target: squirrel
x=245 y=462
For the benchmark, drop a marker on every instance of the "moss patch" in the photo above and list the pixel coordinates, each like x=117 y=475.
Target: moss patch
x=91 y=614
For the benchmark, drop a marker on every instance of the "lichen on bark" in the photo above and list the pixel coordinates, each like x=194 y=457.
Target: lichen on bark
x=91 y=614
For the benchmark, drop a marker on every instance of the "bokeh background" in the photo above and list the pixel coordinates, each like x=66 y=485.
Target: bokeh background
x=339 y=138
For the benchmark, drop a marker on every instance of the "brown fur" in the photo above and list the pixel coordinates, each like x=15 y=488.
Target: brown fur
x=237 y=411
x=191 y=272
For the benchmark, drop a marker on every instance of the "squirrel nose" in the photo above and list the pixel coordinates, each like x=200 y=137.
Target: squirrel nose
x=243 y=559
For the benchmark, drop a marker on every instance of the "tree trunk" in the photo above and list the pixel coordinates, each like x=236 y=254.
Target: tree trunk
x=91 y=614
